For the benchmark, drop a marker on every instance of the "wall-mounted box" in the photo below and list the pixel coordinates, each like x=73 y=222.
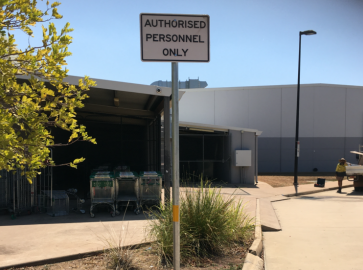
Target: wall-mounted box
x=243 y=158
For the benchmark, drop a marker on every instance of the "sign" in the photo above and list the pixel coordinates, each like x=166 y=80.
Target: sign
x=174 y=38
x=102 y=184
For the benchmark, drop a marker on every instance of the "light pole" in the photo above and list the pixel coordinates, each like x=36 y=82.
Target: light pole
x=297 y=143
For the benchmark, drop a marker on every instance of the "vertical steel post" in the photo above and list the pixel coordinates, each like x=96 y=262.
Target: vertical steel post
x=175 y=147
x=167 y=149
x=297 y=144
x=256 y=180
x=50 y=170
x=148 y=145
x=14 y=186
x=203 y=155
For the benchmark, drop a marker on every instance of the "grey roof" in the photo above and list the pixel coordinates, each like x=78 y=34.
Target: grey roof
x=190 y=83
x=272 y=87
x=118 y=86
x=217 y=127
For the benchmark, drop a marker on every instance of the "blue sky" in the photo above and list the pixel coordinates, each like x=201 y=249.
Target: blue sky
x=252 y=42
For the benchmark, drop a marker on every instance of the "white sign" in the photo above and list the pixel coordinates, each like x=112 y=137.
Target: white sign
x=174 y=38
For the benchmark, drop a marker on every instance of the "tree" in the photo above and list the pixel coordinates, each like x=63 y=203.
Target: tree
x=29 y=110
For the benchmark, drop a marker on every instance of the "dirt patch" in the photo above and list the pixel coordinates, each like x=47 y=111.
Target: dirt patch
x=145 y=257
x=288 y=180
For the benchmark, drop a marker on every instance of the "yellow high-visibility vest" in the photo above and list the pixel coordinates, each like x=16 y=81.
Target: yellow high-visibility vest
x=341 y=168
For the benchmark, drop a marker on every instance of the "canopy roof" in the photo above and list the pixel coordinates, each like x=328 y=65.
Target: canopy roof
x=205 y=127
x=110 y=101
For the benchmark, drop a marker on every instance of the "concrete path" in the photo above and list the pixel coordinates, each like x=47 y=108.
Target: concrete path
x=319 y=231
x=41 y=237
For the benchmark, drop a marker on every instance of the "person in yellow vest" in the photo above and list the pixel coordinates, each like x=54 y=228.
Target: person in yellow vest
x=340 y=172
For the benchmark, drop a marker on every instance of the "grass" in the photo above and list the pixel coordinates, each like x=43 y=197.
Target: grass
x=117 y=256
x=208 y=223
x=237 y=267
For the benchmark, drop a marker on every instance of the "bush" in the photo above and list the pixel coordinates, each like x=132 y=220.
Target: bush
x=208 y=222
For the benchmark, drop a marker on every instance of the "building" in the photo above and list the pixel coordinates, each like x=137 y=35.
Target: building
x=219 y=153
x=331 y=121
x=190 y=83
x=223 y=153
x=126 y=120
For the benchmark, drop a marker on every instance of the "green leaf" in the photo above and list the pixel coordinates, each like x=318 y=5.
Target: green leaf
x=27 y=109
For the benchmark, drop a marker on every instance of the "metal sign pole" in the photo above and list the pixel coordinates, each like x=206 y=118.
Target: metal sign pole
x=175 y=147
x=167 y=146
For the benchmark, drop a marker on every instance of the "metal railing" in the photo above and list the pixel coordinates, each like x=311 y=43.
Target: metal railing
x=18 y=196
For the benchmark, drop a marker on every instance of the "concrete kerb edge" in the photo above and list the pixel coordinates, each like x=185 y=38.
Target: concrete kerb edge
x=253 y=260
x=66 y=258
x=256 y=246
x=314 y=191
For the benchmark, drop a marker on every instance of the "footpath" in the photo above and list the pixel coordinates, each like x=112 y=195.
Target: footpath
x=319 y=231
x=41 y=239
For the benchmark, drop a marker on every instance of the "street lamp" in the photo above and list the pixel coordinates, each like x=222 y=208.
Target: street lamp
x=297 y=143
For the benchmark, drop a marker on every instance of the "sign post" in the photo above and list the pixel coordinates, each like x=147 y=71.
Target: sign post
x=175 y=151
x=175 y=38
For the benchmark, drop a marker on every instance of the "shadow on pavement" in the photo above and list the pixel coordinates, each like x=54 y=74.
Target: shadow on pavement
x=101 y=215
x=43 y=218
x=341 y=195
x=355 y=193
x=227 y=189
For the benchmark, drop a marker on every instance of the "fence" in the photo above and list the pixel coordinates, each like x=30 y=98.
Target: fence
x=18 y=196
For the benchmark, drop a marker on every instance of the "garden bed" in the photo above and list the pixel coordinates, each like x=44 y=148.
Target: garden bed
x=145 y=257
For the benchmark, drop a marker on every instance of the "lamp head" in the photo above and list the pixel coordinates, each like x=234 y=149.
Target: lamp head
x=308 y=32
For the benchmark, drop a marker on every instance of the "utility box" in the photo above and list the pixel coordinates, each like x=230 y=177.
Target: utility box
x=243 y=158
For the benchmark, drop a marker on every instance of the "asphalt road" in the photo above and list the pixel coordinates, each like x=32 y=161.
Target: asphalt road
x=319 y=231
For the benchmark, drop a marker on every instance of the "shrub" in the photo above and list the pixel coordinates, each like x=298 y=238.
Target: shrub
x=208 y=222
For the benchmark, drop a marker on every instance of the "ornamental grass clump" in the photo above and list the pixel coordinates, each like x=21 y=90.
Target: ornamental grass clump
x=117 y=255
x=209 y=222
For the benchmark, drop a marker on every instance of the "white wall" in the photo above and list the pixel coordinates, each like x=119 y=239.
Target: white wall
x=331 y=121
x=288 y=95
x=329 y=112
x=197 y=107
x=307 y=114
x=231 y=108
x=354 y=112
x=265 y=111
x=325 y=110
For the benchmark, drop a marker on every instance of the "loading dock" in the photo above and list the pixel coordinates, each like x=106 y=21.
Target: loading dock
x=125 y=120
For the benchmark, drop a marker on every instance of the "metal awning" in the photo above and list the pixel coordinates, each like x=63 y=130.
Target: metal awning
x=110 y=101
x=206 y=127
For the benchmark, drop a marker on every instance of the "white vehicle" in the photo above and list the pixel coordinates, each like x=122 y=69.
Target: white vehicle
x=356 y=172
